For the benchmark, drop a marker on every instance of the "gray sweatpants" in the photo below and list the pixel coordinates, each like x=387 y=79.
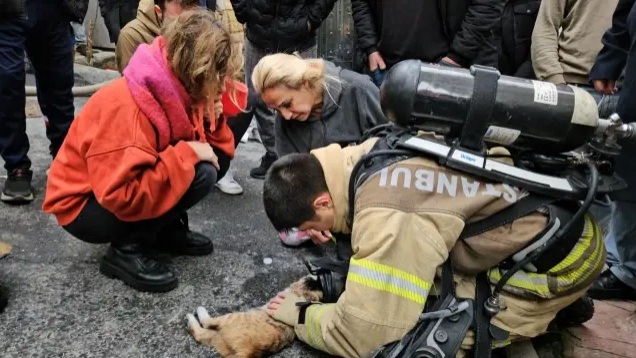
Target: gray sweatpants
x=264 y=116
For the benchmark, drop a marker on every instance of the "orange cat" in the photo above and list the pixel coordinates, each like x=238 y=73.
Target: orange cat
x=249 y=334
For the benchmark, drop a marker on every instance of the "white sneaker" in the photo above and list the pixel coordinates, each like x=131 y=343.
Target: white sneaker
x=293 y=237
x=245 y=137
x=228 y=185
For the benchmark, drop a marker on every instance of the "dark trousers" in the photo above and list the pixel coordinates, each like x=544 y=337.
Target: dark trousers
x=97 y=225
x=116 y=14
x=45 y=38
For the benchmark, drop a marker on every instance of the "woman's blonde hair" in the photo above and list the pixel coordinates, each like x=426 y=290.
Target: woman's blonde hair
x=200 y=54
x=289 y=70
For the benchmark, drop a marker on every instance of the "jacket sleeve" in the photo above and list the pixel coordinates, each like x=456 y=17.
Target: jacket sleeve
x=481 y=18
x=135 y=183
x=319 y=11
x=616 y=42
x=387 y=283
x=364 y=25
x=284 y=143
x=126 y=46
x=545 y=47
x=240 y=10
x=369 y=109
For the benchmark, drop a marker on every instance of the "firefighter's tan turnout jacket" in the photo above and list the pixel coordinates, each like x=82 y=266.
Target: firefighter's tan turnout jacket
x=407 y=221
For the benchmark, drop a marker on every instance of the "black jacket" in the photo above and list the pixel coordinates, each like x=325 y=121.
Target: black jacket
x=12 y=9
x=281 y=25
x=618 y=53
x=469 y=26
x=77 y=9
x=517 y=22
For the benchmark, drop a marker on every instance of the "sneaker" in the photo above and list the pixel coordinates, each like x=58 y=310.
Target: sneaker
x=293 y=237
x=266 y=161
x=228 y=185
x=17 y=188
x=136 y=268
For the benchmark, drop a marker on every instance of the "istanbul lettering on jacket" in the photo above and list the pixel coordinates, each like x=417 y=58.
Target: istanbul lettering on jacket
x=428 y=180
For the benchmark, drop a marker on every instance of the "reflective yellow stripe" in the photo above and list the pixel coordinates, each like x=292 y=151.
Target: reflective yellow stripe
x=537 y=283
x=496 y=345
x=571 y=272
x=314 y=329
x=580 y=247
x=388 y=279
x=591 y=265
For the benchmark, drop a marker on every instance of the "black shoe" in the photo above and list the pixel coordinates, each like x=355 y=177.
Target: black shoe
x=3 y=301
x=609 y=287
x=131 y=264
x=577 y=313
x=266 y=161
x=177 y=238
x=17 y=188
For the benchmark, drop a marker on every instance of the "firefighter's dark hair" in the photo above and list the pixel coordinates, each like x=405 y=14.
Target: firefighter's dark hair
x=291 y=185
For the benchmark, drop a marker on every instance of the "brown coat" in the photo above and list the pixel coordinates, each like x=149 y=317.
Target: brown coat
x=142 y=29
x=407 y=221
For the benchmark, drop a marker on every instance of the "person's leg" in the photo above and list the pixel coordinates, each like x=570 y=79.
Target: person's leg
x=50 y=51
x=263 y=115
x=238 y=125
x=129 y=256
x=127 y=12
x=14 y=143
x=619 y=282
x=111 y=19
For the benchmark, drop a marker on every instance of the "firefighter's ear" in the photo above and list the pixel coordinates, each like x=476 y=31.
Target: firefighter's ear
x=158 y=12
x=323 y=201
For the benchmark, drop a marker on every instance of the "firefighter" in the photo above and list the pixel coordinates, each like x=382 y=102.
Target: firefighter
x=407 y=221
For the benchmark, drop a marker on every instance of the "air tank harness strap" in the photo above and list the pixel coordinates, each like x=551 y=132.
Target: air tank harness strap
x=481 y=106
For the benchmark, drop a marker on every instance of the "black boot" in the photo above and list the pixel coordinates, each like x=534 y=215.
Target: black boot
x=609 y=287
x=17 y=188
x=176 y=238
x=266 y=161
x=577 y=313
x=131 y=264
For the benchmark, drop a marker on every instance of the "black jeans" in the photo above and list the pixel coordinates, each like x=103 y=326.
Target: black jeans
x=97 y=225
x=116 y=14
x=45 y=37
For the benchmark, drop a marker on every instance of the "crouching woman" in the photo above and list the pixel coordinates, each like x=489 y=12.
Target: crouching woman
x=317 y=104
x=148 y=147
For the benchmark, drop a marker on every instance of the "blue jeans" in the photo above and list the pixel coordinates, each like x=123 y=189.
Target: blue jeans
x=621 y=242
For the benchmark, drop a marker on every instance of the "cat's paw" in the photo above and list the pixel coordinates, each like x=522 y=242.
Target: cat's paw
x=192 y=321
x=202 y=314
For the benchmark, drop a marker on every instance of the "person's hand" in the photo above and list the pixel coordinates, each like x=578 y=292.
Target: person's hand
x=205 y=153
x=605 y=86
x=218 y=108
x=319 y=237
x=375 y=61
x=448 y=61
x=274 y=303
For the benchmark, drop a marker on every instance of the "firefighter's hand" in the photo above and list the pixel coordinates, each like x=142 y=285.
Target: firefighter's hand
x=319 y=237
x=607 y=87
x=375 y=61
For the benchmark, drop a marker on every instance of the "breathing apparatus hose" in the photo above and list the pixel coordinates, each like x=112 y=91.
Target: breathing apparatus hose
x=589 y=199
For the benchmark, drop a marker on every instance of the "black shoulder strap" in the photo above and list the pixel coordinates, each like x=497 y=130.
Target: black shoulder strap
x=521 y=208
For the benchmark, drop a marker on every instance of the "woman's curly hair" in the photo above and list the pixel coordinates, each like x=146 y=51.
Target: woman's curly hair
x=201 y=55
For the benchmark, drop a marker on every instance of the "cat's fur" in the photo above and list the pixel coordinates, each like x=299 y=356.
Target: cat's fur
x=249 y=334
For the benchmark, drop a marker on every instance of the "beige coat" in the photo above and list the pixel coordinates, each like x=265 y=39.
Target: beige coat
x=407 y=222
x=567 y=38
x=146 y=26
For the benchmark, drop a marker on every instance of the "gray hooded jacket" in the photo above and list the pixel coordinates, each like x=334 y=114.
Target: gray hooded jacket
x=349 y=109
